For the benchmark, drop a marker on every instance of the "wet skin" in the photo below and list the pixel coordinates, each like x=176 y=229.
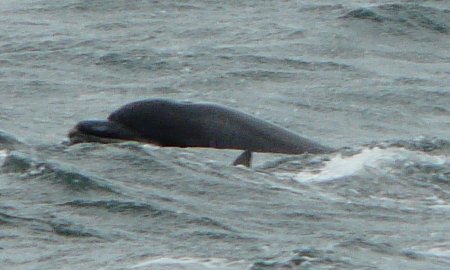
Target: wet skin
x=183 y=124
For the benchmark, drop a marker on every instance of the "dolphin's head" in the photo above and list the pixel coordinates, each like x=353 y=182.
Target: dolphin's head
x=102 y=132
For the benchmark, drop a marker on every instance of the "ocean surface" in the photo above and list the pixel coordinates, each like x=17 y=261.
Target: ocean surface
x=371 y=78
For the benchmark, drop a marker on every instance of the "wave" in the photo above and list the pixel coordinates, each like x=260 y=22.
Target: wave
x=135 y=60
x=331 y=257
x=252 y=60
x=8 y=141
x=117 y=206
x=395 y=162
x=411 y=171
x=399 y=18
x=29 y=166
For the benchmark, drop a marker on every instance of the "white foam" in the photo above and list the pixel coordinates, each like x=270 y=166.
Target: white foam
x=3 y=155
x=179 y=262
x=441 y=252
x=373 y=160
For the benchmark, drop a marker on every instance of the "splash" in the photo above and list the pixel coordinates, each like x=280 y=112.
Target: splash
x=375 y=160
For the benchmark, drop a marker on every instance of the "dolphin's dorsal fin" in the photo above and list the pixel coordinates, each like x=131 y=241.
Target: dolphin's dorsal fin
x=244 y=159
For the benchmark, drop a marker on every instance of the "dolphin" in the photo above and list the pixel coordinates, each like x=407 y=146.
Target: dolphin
x=172 y=123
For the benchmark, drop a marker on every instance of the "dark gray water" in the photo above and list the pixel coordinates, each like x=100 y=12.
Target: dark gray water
x=370 y=76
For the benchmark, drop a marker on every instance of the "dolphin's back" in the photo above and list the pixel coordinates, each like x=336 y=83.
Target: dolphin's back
x=186 y=124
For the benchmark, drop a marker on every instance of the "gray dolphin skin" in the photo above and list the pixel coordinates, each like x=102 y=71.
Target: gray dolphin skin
x=166 y=122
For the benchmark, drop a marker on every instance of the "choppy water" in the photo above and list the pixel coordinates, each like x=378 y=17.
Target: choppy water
x=372 y=77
